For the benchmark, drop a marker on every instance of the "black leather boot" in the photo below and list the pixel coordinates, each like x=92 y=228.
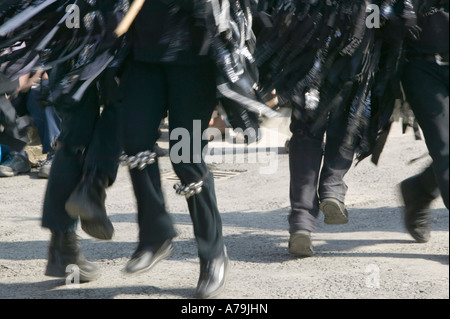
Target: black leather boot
x=64 y=250
x=87 y=201
x=213 y=275
x=418 y=192
x=145 y=257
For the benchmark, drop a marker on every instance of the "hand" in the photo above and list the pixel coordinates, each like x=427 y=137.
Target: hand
x=26 y=82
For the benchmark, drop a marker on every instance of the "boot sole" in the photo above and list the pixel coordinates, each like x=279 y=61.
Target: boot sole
x=333 y=212
x=300 y=245
x=418 y=238
x=54 y=271
x=97 y=230
x=43 y=175
x=157 y=259
x=100 y=229
x=13 y=174
x=422 y=239
x=217 y=292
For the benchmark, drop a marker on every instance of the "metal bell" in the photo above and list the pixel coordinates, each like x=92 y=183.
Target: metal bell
x=142 y=166
x=130 y=159
x=191 y=185
x=199 y=184
x=123 y=158
x=144 y=159
x=134 y=164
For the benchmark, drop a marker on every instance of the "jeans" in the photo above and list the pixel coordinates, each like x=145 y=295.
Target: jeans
x=317 y=168
x=45 y=120
x=3 y=151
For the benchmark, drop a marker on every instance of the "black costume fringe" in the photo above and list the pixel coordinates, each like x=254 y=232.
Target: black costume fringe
x=322 y=57
x=33 y=36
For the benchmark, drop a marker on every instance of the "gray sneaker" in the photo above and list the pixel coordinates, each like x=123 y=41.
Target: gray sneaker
x=44 y=170
x=300 y=244
x=15 y=164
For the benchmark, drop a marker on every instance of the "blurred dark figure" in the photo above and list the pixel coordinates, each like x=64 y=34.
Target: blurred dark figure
x=426 y=85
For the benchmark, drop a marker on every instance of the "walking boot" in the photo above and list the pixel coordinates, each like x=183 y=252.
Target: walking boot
x=64 y=250
x=146 y=257
x=87 y=201
x=300 y=243
x=416 y=211
x=212 y=276
x=334 y=211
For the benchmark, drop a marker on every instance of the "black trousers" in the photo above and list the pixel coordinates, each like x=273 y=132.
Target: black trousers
x=426 y=89
x=188 y=93
x=89 y=138
x=317 y=168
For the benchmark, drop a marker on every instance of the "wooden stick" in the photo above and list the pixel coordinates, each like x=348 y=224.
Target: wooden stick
x=128 y=19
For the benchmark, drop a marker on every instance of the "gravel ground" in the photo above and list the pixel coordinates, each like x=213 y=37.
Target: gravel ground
x=371 y=257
